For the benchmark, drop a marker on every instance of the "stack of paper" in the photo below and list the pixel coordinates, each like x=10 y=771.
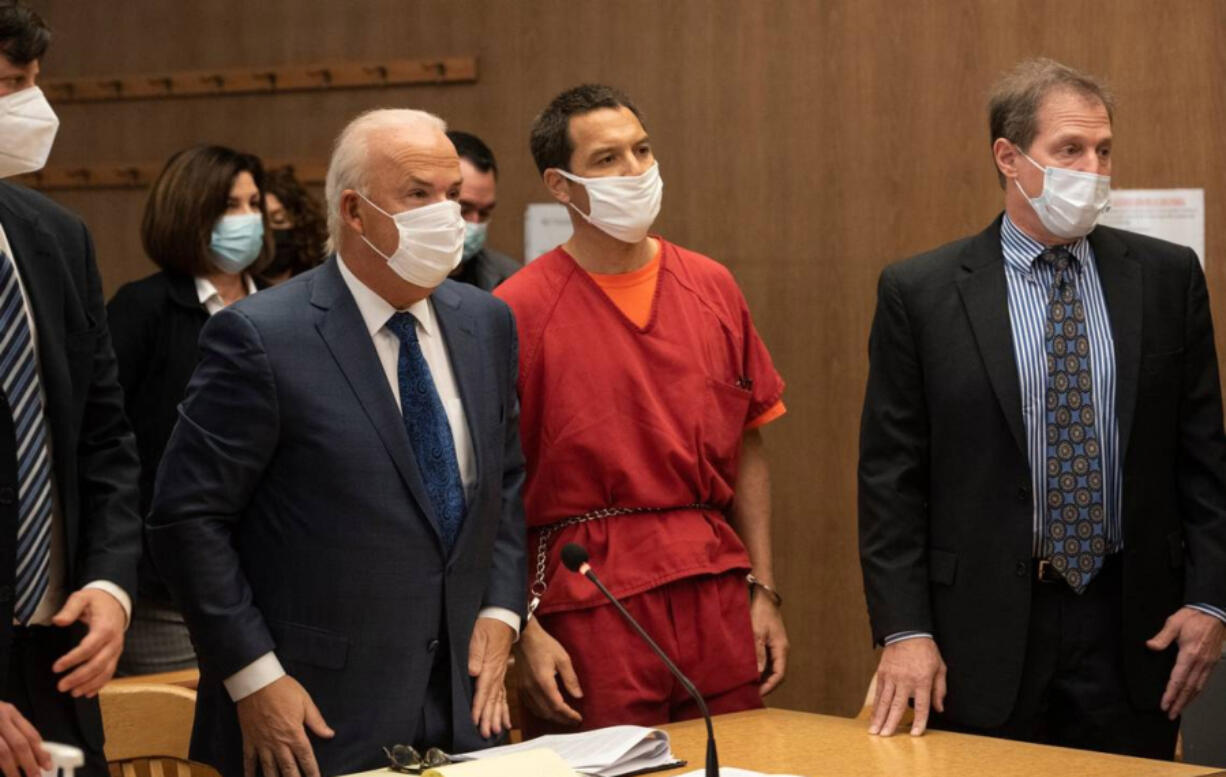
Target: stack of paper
x=606 y=752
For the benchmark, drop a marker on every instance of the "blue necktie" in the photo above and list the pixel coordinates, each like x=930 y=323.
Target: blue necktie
x=1075 y=529
x=21 y=386
x=429 y=433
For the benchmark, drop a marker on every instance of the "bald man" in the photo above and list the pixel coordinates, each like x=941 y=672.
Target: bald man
x=338 y=509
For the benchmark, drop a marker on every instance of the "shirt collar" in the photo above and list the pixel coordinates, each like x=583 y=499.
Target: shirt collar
x=376 y=311
x=205 y=290
x=1021 y=250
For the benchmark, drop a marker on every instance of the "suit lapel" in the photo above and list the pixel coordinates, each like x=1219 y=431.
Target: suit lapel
x=464 y=351
x=343 y=330
x=1121 y=279
x=42 y=276
x=986 y=299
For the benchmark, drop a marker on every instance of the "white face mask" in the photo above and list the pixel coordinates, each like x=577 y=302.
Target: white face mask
x=431 y=242
x=27 y=130
x=1071 y=201
x=622 y=206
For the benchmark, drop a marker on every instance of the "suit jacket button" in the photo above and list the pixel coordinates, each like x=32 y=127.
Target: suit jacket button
x=1023 y=494
x=432 y=646
x=7 y=496
x=1022 y=569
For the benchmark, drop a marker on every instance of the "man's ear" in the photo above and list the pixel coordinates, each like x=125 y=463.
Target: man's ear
x=1007 y=157
x=558 y=185
x=350 y=212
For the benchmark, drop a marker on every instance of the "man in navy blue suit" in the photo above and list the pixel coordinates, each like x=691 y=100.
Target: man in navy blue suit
x=338 y=510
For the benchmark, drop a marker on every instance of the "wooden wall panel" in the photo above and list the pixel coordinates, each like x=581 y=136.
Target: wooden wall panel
x=805 y=144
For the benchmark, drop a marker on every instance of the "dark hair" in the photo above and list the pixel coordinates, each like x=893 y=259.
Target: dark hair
x=309 y=231
x=1013 y=106
x=23 y=33
x=469 y=146
x=187 y=199
x=551 y=143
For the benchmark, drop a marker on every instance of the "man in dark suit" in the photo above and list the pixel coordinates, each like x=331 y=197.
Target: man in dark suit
x=68 y=465
x=338 y=509
x=1042 y=462
x=482 y=266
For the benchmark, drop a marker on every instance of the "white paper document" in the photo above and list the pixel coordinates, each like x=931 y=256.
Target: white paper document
x=1177 y=215
x=608 y=752
x=728 y=771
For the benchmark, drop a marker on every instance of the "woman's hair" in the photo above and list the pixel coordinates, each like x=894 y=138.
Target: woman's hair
x=310 y=229
x=187 y=199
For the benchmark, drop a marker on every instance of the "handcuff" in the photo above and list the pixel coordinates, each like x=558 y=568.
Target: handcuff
x=754 y=582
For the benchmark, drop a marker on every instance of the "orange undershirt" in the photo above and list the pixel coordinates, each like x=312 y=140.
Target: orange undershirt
x=633 y=293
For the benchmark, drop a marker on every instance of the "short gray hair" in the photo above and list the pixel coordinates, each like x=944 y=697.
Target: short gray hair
x=350 y=153
x=1013 y=105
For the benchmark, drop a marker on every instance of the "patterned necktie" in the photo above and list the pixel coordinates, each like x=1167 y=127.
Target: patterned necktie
x=429 y=433
x=1075 y=539
x=21 y=386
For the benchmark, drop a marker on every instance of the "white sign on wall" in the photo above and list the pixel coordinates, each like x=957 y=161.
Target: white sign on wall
x=1177 y=215
x=546 y=226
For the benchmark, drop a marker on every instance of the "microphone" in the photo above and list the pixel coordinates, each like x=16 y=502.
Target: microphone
x=574 y=557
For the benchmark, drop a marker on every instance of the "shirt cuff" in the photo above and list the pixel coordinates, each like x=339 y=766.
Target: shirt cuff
x=773 y=412
x=261 y=672
x=903 y=636
x=1209 y=609
x=125 y=601
x=504 y=615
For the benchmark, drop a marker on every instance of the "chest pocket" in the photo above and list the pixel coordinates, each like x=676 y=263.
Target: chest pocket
x=723 y=423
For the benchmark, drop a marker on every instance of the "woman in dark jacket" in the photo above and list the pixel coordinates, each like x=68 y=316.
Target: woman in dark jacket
x=204 y=226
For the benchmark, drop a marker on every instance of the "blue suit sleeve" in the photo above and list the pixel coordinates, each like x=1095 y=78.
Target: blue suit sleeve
x=226 y=433
x=508 y=574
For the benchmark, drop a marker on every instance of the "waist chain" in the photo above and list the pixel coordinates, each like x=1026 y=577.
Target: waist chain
x=539 y=584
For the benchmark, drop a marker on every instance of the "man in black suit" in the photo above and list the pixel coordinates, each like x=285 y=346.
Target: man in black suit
x=338 y=509
x=68 y=464
x=1042 y=462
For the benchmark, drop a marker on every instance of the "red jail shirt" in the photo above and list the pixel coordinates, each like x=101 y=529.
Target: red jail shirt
x=618 y=414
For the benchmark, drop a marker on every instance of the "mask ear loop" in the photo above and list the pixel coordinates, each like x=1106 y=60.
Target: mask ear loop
x=572 y=178
x=1018 y=182
x=362 y=234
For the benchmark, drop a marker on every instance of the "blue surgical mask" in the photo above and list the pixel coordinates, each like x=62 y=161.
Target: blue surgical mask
x=474 y=238
x=237 y=241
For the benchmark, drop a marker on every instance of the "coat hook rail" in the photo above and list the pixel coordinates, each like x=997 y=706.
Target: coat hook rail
x=285 y=78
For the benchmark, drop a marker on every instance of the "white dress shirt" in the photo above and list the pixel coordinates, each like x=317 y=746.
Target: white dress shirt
x=57 y=586
x=375 y=313
x=210 y=297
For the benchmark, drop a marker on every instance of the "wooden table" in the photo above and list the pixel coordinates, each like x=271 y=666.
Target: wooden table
x=823 y=746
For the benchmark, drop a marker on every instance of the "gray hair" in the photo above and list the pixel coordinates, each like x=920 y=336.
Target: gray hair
x=1013 y=105
x=350 y=153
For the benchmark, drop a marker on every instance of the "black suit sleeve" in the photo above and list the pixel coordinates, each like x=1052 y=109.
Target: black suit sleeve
x=507 y=573
x=107 y=465
x=1201 y=466
x=131 y=323
x=893 y=473
x=227 y=430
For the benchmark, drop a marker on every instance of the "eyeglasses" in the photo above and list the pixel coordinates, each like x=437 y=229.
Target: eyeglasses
x=406 y=760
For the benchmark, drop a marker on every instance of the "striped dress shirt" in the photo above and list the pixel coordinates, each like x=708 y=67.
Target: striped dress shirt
x=1029 y=285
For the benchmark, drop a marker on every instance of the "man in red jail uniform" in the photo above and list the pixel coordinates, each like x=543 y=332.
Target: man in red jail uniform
x=643 y=386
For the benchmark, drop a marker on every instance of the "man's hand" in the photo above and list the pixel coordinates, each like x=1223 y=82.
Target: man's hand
x=274 y=738
x=770 y=641
x=488 y=652
x=97 y=656
x=1200 y=648
x=544 y=658
x=910 y=669
x=21 y=748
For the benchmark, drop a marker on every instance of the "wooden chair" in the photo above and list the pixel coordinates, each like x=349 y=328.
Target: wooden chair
x=148 y=728
x=185 y=678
